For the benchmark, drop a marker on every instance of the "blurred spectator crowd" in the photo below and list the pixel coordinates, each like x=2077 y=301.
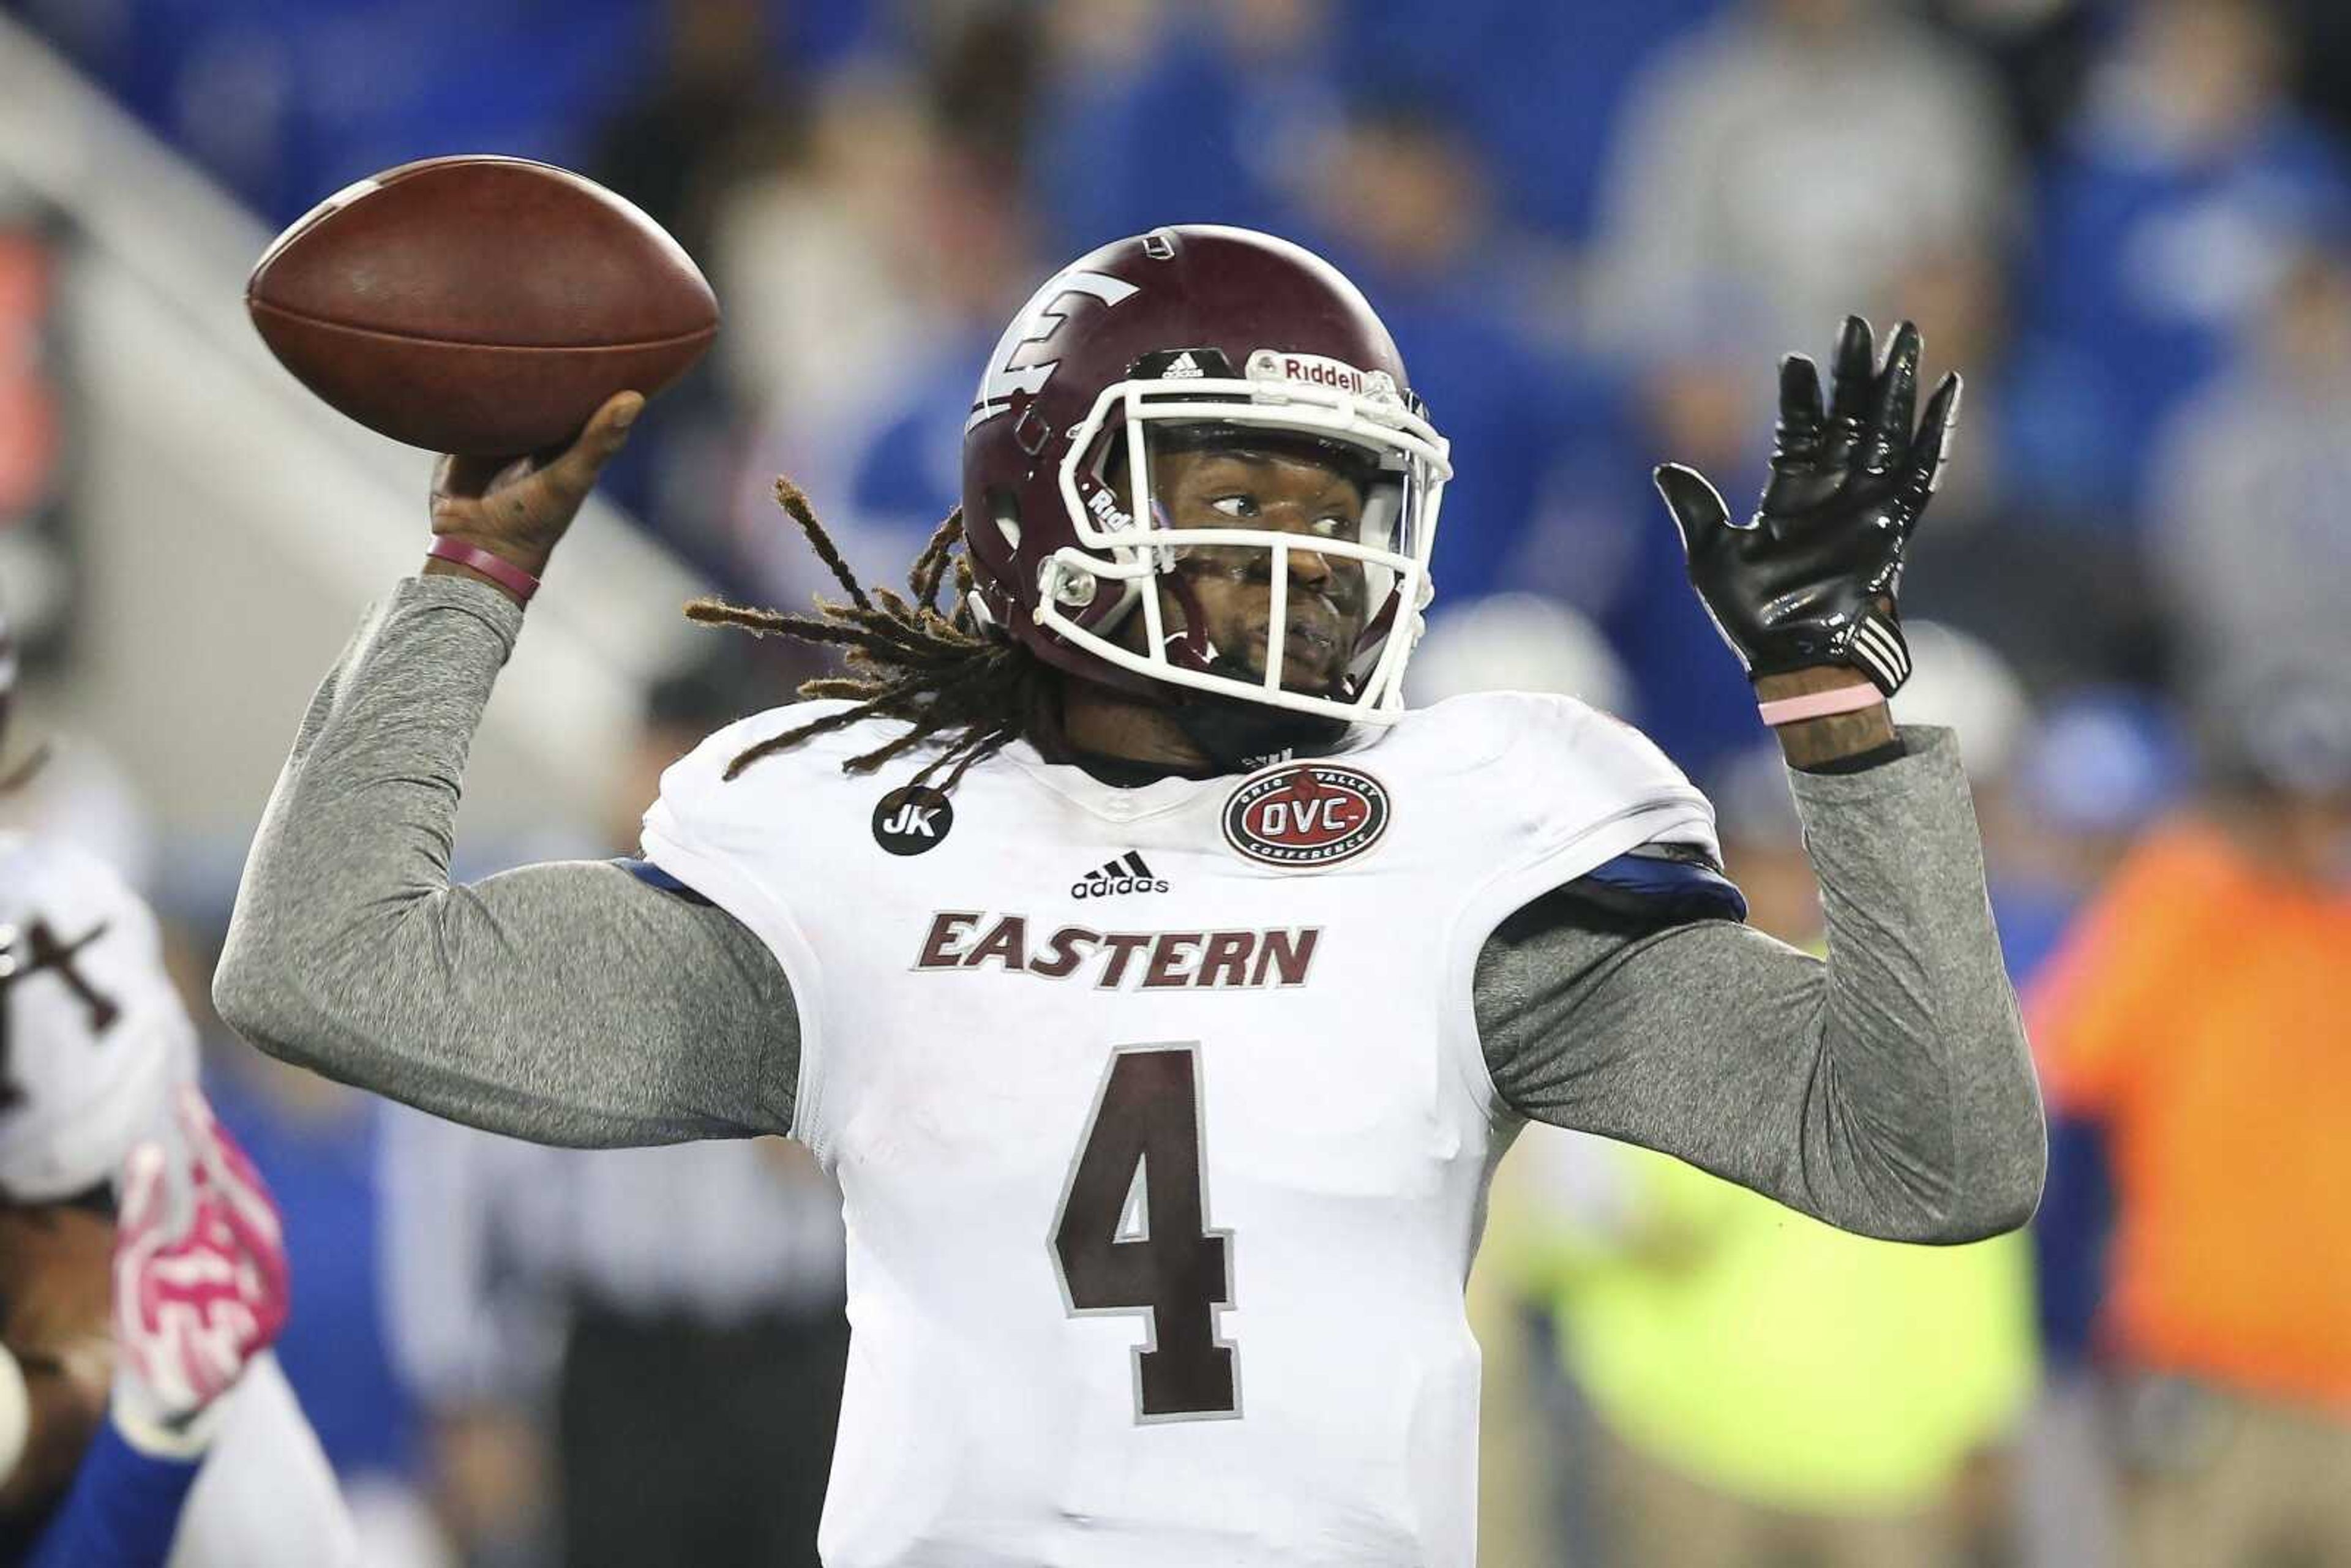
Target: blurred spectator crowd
x=1594 y=227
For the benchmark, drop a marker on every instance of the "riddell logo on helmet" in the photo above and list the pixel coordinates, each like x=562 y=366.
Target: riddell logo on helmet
x=1108 y=512
x=1317 y=371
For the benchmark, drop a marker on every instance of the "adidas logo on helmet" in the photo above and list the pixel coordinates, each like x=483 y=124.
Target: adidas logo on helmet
x=1127 y=874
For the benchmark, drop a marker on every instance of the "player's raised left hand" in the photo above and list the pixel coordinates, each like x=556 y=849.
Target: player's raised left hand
x=1809 y=580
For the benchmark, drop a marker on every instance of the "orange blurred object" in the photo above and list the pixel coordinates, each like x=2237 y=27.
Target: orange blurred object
x=2203 y=1014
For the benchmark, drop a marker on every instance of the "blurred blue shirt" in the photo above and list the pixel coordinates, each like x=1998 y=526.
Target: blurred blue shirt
x=333 y=1352
x=1537 y=84
x=2143 y=272
x=1192 y=133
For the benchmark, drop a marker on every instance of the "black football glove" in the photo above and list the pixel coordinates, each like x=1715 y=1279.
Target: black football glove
x=1811 y=578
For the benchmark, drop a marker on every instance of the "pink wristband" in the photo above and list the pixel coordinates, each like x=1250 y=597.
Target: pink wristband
x=497 y=568
x=1821 y=704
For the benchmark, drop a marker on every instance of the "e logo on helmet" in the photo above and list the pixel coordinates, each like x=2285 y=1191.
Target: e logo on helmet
x=1013 y=368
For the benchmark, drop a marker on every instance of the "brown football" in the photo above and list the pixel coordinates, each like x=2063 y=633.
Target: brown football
x=479 y=305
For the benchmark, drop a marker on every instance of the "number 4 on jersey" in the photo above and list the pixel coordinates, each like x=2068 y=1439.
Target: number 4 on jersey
x=1133 y=1235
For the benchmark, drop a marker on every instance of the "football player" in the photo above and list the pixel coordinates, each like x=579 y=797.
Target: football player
x=193 y=1305
x=1159 y=990
x=132 y=1345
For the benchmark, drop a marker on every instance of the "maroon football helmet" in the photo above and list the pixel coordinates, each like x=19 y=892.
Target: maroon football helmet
x=1202 y=330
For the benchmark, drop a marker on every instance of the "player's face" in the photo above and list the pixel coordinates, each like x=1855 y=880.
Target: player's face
x=1281 y=491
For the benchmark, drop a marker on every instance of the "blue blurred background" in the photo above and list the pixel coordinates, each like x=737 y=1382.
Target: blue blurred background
x=1592 y=228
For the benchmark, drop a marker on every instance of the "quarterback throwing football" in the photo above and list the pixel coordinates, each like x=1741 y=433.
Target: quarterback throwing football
x=1160 y=991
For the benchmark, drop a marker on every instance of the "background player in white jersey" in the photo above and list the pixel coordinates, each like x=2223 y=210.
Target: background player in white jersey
x=1160 y=992
x=198 y=1292
x=133 y=1346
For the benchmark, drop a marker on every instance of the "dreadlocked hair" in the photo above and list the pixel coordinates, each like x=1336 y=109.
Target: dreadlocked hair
x=942 y=672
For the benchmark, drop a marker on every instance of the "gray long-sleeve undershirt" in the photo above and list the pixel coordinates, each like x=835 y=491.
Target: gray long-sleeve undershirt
x=1887 y=1091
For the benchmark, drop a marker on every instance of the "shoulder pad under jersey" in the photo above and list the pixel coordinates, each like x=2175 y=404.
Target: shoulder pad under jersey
x=1546 y=748
x=696 y=797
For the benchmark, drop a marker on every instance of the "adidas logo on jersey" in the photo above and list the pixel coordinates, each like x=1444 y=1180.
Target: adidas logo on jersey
x=1127 y=874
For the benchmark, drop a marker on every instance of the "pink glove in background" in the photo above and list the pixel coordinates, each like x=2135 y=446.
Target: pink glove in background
x=197 y=1301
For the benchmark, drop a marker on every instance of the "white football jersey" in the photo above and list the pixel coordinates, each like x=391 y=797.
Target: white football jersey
x=1160 y=1119
x=93 y=1039
x=92 y=1036
x=266 y=1497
